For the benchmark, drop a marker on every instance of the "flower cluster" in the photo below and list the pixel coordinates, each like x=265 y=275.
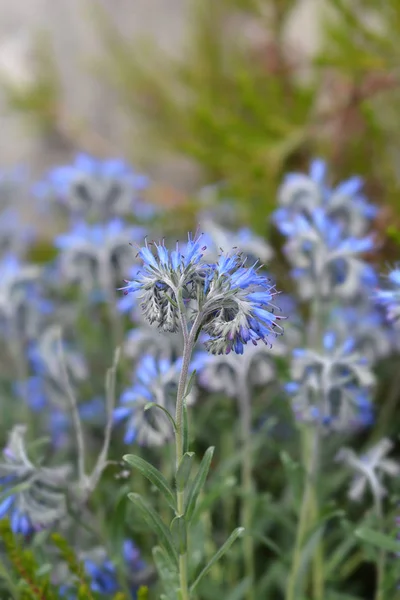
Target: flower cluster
x=102 y=572
x=35 y=496
x=326 y=233
x=345 y=204
x=155 y=380
x=332 y=387
x=370 y=468
x=96 y=256
x=97 y=190
x=233 y=301
x=163 y=276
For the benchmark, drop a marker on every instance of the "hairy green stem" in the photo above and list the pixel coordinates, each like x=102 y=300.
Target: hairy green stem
x=189 y=341
x=246 y=510
x=310 y=454
x=318 y=558
x=228 y=450
x=381 y=564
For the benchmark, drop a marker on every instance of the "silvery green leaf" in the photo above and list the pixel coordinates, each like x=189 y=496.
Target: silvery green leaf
x=179 y=534
x=190 y=383
x=154 y=476
x=150 y=405
x=224 y=548
x=184 y=469
x=167 y=572
x=185 y=441
x=156 y=524
x=378 y=539
x=198 y=483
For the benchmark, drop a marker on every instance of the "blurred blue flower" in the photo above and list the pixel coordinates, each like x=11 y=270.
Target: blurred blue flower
x=370 y=469
x=154 y=380
x=325 y=259
x=98 y=189
x=372 y=336
x=345 y=205
x=332 y=387
x=32 y=496
x=102 y=572
x=22 y=305
x=32 y=391
x=97 y=255
x=219 y=239
x=104 y=576
x=389 y=298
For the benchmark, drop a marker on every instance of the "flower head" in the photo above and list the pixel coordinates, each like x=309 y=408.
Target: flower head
x=370 y=468
x=39 y=498
x=98 y=189
x=331 y=387
x=325 y=259
x=228 y=373
x=21 y=303
x=238 y=306
x=250 y=244
x=163 y=275
x=345 y=205
x=230 y=301
x=96 y=255
x=154 y=380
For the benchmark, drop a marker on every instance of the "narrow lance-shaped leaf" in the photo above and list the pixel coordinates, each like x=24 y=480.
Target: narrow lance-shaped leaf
x=167 y=570
x=179 y=534
x=224 y=548
x=156 y=524
x=380 y=540
x=190 y=383
x=150 y=405
x=153 y=475
x=198 y=483
x=185 y=441
x=183 y=472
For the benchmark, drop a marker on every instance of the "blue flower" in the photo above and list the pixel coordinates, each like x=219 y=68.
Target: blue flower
x=389 y=298
x=325 y=259
x=345 y=205
x=32 y=497
x=332 y=387
x=163 y=275
x=154 y=380
x=232 y=301
x=33 y=392
x=96 y=255
x=102 y=573
x=21 y=302
x=238 y=306
x=99 y=189
x=219 y=238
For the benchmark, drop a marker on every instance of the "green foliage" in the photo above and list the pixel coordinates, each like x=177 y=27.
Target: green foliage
x=33 y=581
x=40 y=98
x=245 y=113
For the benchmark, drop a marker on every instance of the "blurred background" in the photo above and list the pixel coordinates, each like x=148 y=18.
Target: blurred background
x=192 y=92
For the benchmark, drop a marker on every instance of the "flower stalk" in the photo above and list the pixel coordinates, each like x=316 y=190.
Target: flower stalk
x=246 y=511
